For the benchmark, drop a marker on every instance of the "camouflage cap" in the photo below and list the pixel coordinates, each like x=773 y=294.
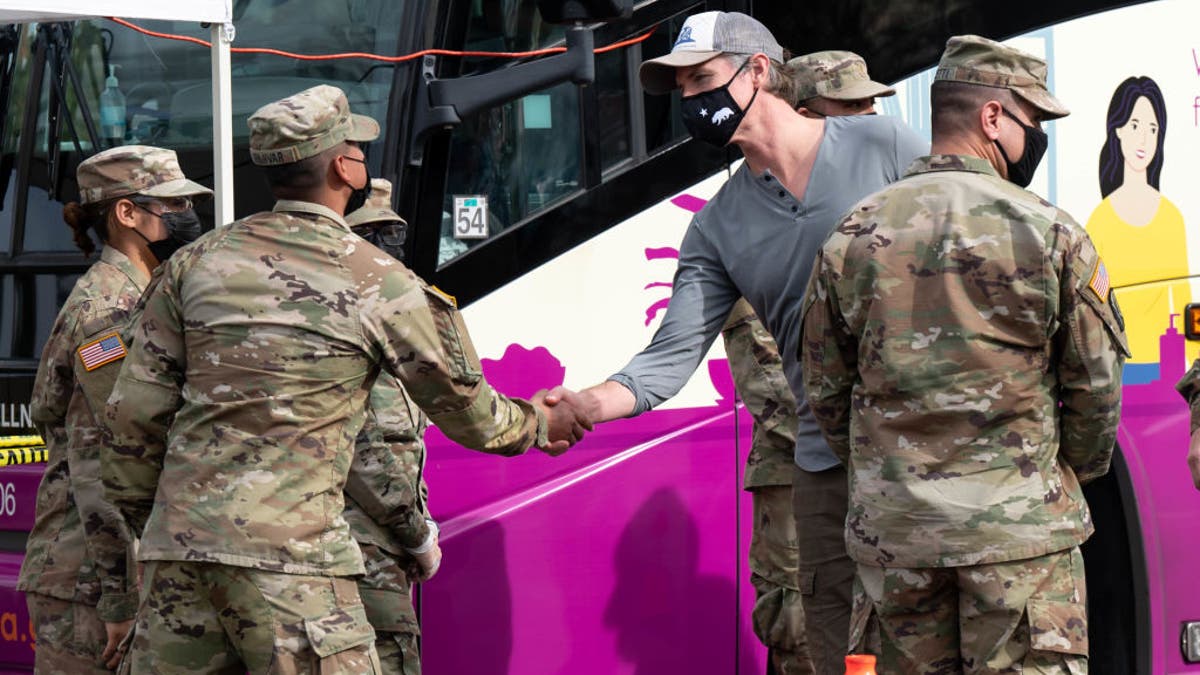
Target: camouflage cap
x=134 y=169
x=977 y=60
x=378 y=207
x=306 y=124
x=838 y=75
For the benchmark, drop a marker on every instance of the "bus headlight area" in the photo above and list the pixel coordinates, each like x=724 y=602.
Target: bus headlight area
x=1191 y=642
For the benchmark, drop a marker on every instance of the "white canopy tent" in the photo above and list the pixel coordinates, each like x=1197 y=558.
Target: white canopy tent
x=217 y=12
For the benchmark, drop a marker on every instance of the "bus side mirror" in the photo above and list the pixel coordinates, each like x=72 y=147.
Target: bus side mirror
x=1191 y=321
x=442 y=103
x=571 y=11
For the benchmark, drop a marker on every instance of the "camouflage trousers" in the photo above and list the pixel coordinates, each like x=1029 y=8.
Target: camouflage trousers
x=774 y=568
x=387 y=597
x=69 y=636
x=1023 y=616
x=399 y=653
x=213 y=618
x=820 y=500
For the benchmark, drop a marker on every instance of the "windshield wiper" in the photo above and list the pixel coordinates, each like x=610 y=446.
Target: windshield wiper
x=58 y=57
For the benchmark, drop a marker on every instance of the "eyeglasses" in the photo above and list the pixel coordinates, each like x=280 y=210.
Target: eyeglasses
x=169 y=204
x=388 y=233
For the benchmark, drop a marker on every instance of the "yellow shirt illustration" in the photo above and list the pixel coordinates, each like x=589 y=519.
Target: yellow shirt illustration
x=1140 y=255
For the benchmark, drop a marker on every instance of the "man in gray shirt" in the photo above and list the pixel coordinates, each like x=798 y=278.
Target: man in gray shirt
x=758 y=238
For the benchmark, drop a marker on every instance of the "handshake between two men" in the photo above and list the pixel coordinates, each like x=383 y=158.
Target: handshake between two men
x=569 y=414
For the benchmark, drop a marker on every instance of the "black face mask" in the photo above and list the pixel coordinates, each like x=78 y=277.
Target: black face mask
x=1021 y=171
x=183 y=227
x=358 y=198
x=713 y=116
x=387 y=237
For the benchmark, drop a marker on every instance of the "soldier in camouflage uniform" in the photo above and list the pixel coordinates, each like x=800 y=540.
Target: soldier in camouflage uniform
x=394 y=426
x=235 y=415
x=962 y=354
x=757 y=371
x=1189 y=388
x=76 y=576
x=834 y=83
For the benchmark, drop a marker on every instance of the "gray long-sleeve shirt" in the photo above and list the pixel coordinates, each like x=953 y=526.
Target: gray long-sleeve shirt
x=754 y=239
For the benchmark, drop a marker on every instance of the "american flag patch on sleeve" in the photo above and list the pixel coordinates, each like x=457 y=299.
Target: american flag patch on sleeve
x=1099 y=283
x=99 y=352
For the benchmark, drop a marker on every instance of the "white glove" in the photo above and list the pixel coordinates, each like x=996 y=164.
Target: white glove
x=428 y=555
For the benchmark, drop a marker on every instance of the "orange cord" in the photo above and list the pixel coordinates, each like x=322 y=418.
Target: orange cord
x=376 y=57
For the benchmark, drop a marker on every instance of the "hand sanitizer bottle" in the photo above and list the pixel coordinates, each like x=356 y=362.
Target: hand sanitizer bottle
x=112 y=111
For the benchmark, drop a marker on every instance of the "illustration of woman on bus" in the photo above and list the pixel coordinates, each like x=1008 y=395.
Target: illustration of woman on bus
x=1138 y=231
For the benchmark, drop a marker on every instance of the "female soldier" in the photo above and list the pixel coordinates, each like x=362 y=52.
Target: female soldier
x=81 y=598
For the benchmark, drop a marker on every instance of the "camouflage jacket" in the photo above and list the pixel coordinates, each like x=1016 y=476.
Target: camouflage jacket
x=758 y=375
x=263 y=341
x=1189 y=388
x=78 y=548
x=962 y=354
x=395 y=427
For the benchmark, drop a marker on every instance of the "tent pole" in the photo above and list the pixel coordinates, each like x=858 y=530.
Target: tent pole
x=222 y=98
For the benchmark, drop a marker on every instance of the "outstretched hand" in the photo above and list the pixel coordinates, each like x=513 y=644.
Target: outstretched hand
x=567 y=418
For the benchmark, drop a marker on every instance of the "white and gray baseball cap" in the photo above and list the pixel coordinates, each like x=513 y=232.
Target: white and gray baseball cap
x=703 y=37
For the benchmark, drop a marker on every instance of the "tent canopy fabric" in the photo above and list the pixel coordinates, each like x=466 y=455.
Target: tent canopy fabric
x=22 y=11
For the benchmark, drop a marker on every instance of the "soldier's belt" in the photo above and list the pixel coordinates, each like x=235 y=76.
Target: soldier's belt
x=21 y=450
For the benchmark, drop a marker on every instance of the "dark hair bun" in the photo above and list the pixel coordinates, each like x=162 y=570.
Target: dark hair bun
x=80 y=221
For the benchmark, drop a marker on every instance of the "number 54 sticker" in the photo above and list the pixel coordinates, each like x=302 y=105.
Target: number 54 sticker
x=470 y=217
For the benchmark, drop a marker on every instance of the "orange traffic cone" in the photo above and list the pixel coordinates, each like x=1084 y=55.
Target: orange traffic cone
x=860 y=664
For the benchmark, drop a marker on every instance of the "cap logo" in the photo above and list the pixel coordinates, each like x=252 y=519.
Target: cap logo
x=721 y=115
x=685 y=37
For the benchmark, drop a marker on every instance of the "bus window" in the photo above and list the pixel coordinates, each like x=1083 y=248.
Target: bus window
x=166 y=88
x=8 y=318
x=522 y=156
x=11 y=118
x=46 y=229
x=47 y=293
x=28 y=306
x=167 y=84
x=526 y=156
x=612 y=90
x=507 y=26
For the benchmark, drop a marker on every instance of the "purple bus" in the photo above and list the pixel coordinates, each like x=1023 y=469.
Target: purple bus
x=553 y=218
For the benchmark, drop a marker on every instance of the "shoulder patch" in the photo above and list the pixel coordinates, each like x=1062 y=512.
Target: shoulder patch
x=106 y=349
x=1099 y=283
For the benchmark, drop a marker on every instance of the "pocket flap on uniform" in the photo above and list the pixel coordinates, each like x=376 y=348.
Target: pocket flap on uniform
x=339 y=631
x=390 y=611
x=1057 y=626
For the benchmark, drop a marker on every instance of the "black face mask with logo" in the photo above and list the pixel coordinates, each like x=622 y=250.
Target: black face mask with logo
x=1021 y=171
x=713 y=116
x=183 y=227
